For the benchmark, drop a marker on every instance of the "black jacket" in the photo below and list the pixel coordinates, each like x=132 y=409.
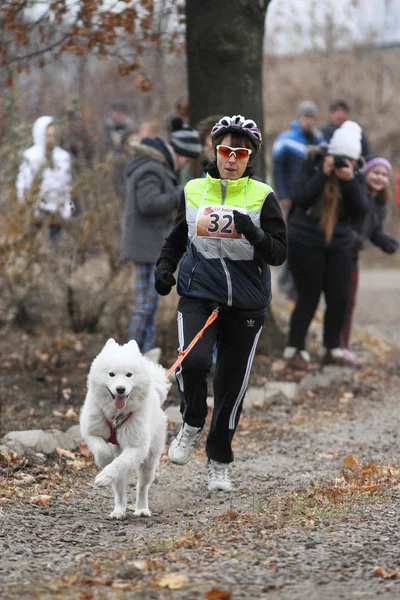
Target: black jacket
x=250 y=278
x=304 y=222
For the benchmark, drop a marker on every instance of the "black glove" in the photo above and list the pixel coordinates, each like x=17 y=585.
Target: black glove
x=244 y=225
x=164 y=278
x=390 y=244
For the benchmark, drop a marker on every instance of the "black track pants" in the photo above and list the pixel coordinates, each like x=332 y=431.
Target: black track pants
x=317 y=270
x=236 y=334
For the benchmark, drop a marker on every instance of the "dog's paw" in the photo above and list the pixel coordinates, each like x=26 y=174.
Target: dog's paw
x=103 y=479
x=142 y=512
x=118 y=513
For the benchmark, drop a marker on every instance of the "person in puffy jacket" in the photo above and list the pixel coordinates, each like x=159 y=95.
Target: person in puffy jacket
x=228 y=230
x=328 y=198
x=152 y=196
x=377 y=171
x=44 y=178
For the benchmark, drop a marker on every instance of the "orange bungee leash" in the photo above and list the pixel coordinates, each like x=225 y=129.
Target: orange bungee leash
x=184 y=353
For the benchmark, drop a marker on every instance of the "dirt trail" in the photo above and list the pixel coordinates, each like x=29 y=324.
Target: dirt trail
x=268 y=539
x=378 y=306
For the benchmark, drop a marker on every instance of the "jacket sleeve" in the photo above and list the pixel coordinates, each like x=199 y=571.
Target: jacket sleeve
x=308 y=186
x=175 y=244
x=273 y=247
x=378 y=236
x=151 y=200
x=354 y=193
x=280 y=157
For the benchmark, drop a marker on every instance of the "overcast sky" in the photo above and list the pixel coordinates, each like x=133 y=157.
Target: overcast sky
x=294 y=25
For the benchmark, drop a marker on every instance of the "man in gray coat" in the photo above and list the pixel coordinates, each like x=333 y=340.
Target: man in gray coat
x=152 y=194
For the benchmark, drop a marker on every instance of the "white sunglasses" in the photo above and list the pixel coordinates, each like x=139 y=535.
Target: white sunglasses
x=239 y=153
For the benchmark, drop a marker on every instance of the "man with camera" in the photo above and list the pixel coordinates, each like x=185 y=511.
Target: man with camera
x=329 y=197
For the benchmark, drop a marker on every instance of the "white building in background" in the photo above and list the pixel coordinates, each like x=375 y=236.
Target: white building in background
x=296 y=25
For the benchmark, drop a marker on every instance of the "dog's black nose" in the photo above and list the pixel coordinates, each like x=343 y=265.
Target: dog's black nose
x=120 y=390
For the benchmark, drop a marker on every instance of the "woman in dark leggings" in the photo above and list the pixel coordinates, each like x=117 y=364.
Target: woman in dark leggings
x=328 y=198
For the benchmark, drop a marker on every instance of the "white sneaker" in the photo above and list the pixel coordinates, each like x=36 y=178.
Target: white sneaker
x=218 y=476
x=182 y=447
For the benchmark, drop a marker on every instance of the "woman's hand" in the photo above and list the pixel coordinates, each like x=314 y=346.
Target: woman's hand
x=345 y=173
x=328 y=166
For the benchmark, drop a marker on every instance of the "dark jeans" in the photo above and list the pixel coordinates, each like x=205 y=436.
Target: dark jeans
x=236 y=334
x=317 y=270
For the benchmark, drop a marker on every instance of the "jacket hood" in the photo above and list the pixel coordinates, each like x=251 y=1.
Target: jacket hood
x=143 y=153
x=39 y=132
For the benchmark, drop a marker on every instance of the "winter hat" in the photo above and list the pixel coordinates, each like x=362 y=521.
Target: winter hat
x=184 y=140
x=162 y=147
x=373 y=160
x=307 y=107
x=346 y=140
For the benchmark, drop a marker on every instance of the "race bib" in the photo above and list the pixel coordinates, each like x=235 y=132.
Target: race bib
x=217 y=221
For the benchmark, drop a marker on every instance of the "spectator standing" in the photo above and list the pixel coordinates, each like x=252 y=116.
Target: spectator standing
x=328 y=197
x=44 y=178
x=118 y=124
x=339 y=112
x=152 y=194
x=76 y=141
x=288 y=153
x=377 y=171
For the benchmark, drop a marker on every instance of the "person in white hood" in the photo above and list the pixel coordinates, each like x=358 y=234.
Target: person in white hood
x=48 y=166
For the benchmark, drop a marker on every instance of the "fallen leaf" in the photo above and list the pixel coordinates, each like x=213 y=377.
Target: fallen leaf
x=71 y=414
x=57 y=413
x=42 y=499
x=382 y=572
x=352 y=464
x=84 y=449
x=78 y=465
x=71 y=580
x=66 y=453
x=216 y=594
x=122 y=585
x=142 y=565
x=173 y=581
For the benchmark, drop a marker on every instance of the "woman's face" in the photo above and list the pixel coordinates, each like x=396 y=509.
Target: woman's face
x=232 y=167
x=378 y=178
x=51 y=137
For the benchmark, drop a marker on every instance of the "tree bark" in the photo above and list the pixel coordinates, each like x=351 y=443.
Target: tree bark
x=224 y=44
x=225 y=50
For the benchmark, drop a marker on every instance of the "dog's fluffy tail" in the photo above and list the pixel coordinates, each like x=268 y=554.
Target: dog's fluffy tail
x=160 y=381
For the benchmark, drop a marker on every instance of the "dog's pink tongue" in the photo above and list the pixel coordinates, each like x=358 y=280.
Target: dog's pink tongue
x=119 y=401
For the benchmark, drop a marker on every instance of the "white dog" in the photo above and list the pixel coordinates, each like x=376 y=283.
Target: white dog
x=122 y=421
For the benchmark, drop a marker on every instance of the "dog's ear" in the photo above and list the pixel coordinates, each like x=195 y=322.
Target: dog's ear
x=133 y=344
x=110 y=341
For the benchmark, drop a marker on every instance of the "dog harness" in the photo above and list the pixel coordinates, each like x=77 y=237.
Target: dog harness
x=114 y=426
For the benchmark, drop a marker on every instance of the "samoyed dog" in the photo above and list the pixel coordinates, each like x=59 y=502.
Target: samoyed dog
x=123 y=423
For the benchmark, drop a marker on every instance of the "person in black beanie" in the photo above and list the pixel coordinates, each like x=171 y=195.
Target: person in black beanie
x=228 y=230
x=152 y=195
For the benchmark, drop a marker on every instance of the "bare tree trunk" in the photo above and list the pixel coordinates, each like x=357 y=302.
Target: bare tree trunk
x=224 y=41
x=225 y=50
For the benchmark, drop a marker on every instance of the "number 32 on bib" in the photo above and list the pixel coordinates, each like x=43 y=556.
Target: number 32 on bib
x=217 y=222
